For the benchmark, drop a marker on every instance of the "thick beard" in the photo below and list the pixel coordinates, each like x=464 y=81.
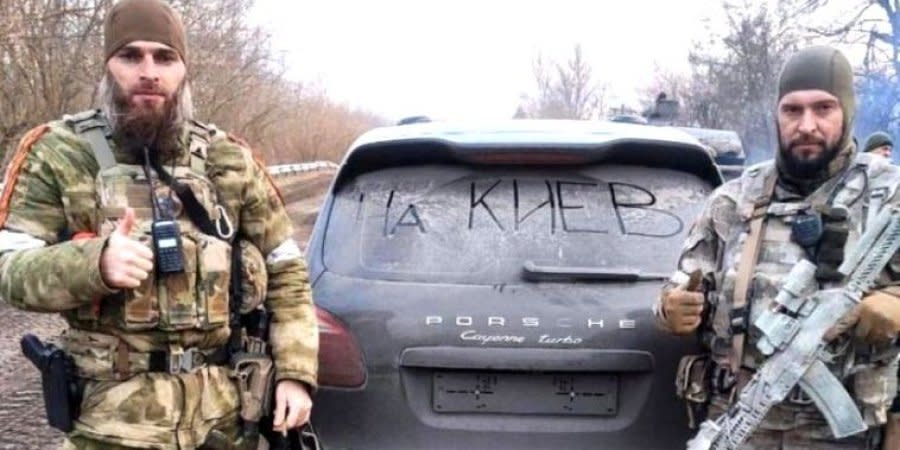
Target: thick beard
x=807 y=169
x=135 y=127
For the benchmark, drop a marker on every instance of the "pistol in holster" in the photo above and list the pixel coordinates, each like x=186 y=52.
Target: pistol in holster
x=254 y=372
x=62 y=392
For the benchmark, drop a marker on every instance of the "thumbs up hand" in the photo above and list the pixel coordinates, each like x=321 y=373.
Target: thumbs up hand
x=125 y=262
x=682 y=307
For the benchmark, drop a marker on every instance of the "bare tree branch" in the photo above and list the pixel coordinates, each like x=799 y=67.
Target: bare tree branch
x=51 y=61
x=565 y=90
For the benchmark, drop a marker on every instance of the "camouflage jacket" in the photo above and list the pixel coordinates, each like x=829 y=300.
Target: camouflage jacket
x=714 y=245
x=50 y=195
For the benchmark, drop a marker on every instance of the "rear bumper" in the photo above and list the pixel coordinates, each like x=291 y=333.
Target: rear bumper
x=378 y=418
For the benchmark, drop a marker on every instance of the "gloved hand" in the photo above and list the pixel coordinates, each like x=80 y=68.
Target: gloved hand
x=682 y=307
x=682 y=310
x=879 y=318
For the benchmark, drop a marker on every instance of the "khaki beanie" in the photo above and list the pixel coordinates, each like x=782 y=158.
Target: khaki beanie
x=821 y=68
x=826 y=69
x=143 y=20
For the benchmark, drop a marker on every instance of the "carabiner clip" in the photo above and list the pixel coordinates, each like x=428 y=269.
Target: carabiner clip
x=224 y=220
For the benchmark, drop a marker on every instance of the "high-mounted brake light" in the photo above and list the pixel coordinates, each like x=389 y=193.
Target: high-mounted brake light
x=341 y=362
x=528 y=158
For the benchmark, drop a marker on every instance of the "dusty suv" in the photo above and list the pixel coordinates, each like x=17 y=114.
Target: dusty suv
x=490 y=286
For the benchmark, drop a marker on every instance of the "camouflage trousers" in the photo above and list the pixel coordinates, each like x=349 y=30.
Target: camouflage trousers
x=157 y=411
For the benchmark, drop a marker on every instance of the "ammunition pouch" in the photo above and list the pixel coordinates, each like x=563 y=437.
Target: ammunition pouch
x=692 y=384
x=830 y=251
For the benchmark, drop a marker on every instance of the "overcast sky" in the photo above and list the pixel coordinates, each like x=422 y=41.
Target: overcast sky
x=471 y=59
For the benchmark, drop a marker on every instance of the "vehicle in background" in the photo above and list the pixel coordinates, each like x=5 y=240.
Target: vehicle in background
x=726 y=144
x=490 y=286
x=413 y=119
x=629 y=118
x=729 y=152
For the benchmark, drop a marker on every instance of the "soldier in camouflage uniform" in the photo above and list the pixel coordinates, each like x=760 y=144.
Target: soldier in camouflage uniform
x=817 y=171
x=879 y=143
x=75 y=240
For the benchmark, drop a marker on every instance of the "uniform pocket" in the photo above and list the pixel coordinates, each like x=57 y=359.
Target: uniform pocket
x=92 y=353
x=692 y=385
x=875 y=387
x=140 y=412
x=141 y=310
x=214 y=259
x=179 y=290
x=219 y=395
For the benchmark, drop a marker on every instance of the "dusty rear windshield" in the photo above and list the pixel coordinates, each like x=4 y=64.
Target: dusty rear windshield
x=455 y=224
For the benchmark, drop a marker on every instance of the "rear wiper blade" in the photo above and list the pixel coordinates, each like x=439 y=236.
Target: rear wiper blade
x=535 y=272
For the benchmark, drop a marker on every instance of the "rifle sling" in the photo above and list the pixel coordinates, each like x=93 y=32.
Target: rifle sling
x=192 y=207
x=235 y=299
x=749 y=258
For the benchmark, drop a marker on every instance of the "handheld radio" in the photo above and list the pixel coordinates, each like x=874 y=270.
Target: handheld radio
x=165 y=233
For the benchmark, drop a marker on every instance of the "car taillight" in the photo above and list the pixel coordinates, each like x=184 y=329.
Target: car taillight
x=340 y=359
x=529 y=158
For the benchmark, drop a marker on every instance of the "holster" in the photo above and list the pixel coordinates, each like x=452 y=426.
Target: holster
x=62 y=392
x=692 y=384
x=254 y=372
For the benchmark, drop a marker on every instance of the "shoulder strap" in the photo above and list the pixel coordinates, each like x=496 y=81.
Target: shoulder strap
x=753 y=189
x=235 y=299
x=756 y=211
x=199 y=136
x=93 y=127
x=195 y=211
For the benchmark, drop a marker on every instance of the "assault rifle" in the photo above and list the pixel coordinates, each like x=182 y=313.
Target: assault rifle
x=792 y=331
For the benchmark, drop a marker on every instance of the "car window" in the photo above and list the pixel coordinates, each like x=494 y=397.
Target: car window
x=455 y=224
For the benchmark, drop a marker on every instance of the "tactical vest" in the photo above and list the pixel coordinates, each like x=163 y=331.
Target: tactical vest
x=196 y=298
x=861 y=190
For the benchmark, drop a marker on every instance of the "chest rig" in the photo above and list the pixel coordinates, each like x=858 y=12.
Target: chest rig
x=195 y=298
x=760 y=250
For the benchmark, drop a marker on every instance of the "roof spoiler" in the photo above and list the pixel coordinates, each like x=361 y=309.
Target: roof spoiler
x=682 y=157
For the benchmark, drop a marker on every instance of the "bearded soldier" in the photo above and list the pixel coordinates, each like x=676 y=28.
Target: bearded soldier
x=748 y=238
x=123 y=220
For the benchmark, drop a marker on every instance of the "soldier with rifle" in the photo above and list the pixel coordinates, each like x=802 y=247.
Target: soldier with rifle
x=789 y=277
x=169 y=253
